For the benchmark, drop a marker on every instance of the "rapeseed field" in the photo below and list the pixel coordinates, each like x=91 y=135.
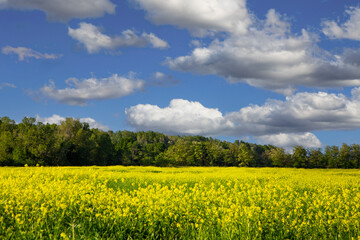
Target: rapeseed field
x=178 y=203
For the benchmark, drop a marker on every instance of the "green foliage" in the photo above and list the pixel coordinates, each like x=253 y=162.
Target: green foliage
x=73 y=143
x=316 y=158
x=278 y=157
x=299 y=157
x=246 y=156
x=332 y=156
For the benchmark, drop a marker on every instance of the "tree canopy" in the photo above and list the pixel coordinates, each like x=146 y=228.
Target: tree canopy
x=74 y=143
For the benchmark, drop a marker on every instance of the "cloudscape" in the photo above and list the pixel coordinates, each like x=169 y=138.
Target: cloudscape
x=272 y=72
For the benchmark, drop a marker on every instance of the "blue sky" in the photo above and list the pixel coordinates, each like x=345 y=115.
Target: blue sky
x=279 y=72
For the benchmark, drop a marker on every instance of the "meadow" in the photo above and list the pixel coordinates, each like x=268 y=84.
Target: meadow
x=178 y=203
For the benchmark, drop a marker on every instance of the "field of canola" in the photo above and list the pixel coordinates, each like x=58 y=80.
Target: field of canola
x=178 y=203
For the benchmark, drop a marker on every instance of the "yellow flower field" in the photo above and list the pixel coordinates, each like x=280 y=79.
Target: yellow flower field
x=178 y=203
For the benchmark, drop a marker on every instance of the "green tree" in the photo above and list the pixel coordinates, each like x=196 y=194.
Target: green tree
x=7 y=145
x=200 y=153
x=332 y=156
x=216 y=154
x=344 y=159
x=278 y=157
x=123 y=150
x=355 y=155
x=35 y=143
x=316 y=158
x=74 y=143
x=246 y=157
x=8 y=130
x=102 y=151
x=299 y=157
x=180 y=154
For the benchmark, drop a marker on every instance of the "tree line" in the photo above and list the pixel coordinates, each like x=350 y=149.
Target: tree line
x=74 y=143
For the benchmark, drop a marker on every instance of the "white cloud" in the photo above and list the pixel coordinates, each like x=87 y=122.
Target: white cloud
x=162 y=79
x=56 y=119
x=195 y=43
x=289 y=140
x=81 y=91
x=302 y=112
x=198 y=16
x=94 y=40
x=350 y=29
x=6 y=84
x=94 y=124
x=154 y=41
x=293 y=118
x=271 y=57
x=23 y=53
x=63 y=10
x=180 y=117
x=263 y=53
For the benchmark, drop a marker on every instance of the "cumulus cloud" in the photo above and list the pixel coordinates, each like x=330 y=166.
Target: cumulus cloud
x=349 y=29
x=302 y=112
x=290 y=119
x=162 y=79
x=271 y=57
x=288 y=140
x=79 y=92
x=94 y=40
x=198 y=16
x=56 y=119
x=180 y=117
x=263 y=53
x=63 y=10
x=24 y=53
